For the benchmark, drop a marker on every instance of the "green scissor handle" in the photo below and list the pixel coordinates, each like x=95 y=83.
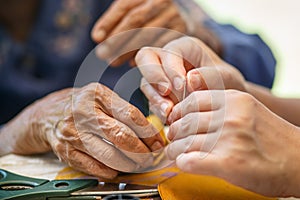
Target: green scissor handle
x=17 y=187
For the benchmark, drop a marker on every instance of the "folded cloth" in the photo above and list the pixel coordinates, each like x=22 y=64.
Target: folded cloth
x=196 y=187
x=175 y=185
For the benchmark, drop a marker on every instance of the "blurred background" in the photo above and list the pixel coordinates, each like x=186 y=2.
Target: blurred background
x=278 y=23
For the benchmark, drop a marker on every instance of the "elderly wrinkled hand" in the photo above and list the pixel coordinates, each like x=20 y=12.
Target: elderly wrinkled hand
x=182 y=66
x=172 y=17
x=126 y=15
x=90 y=128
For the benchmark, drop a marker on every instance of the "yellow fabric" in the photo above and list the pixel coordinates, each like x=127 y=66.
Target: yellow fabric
x=175 y=185
x=150 y=178
x=155 y=121
x=195 y=187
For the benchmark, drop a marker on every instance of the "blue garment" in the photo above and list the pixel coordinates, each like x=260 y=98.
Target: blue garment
x=247 y=52
x=60 y=40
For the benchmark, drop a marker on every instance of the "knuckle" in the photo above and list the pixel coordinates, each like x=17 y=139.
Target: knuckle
x=66 y=129
x=190 y=165
x=140 y=54
x=122 y=137
x=121 y=5
x=135 y=116
x=88 y=91
x=108 y=153
x=135 y=19
x=92 y=85
x=60 y=150
x=172 y=130
x=234 y=160
x=192 y=102
x=188 y=142
x=238 y=96
x=233 y=122
x=226 y=74
x=186 y=122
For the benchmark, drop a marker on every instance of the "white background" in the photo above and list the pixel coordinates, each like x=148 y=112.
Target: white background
x=278 y=23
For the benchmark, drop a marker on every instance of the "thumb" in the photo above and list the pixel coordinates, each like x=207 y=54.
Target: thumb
x=204 y=78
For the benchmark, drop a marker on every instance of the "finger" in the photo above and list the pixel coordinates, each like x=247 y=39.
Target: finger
x=99 y=144
x=158 y=105
x=149 y=65
x=151 y=14
x=109 y=49
x=181 y=51
x=192 y=124
x=111 y=18
x=195 y=79
x=104 y=113
x=126 y=114
x=213 y=78
x=173 y=62
x=193 y=143
x=136 y=18
x=121 y=47
x=125 y=140
x=140 y=15
x=152 y=30
x=146 y=36
x=85 y=163
x=123 y=58
x=166 y=36
x=173 y=65
x=160 y=25
x=174 y=26
x=208 y=100
x=172 y=70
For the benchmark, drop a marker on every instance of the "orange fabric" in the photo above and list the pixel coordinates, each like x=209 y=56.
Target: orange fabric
x=175 y=185
x=195 y=187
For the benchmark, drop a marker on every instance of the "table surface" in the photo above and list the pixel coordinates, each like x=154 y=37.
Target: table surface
x=40 y=166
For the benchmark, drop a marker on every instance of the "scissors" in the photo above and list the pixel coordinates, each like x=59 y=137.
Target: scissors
x=17 y=187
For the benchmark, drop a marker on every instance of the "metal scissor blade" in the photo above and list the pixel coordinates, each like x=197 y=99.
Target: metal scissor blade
x=103 y=189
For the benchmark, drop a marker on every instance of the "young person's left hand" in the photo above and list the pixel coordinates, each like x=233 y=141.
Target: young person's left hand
x=179 y=68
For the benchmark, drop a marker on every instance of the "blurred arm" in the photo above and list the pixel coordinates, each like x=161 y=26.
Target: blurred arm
x=287 y=108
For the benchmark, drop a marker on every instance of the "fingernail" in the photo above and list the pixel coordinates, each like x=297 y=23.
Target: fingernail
x=156 y=146
x=102 y=51
x=164 y=108
x=100 y=34
x=163 y=88
x=195 y=81
x=169 y=135
x=170 y=118
x=178 y=83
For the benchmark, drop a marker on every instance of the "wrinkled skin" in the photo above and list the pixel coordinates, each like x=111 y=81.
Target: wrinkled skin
x=182 y=66
x=231 y=135
x=175 y=17
x=80 y=125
